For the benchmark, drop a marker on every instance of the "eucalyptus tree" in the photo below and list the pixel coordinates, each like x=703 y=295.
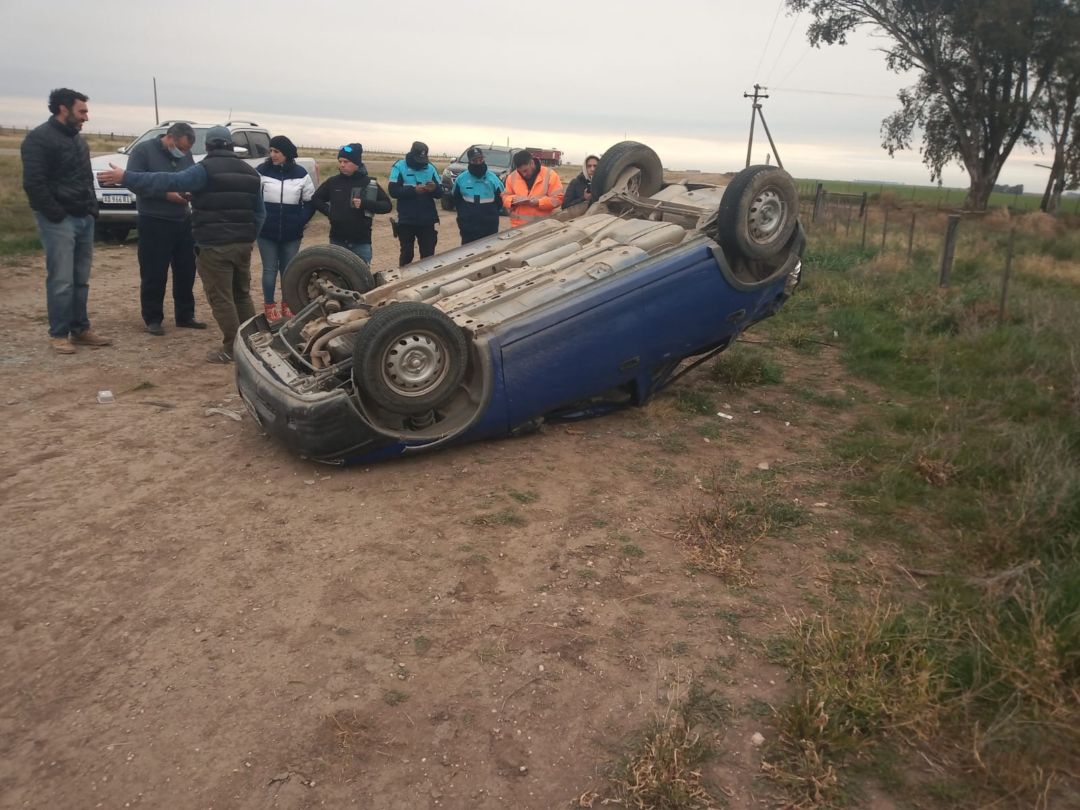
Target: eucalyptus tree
x=982 y=66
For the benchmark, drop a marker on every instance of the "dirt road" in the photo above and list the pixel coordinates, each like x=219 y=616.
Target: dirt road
x=191 y=617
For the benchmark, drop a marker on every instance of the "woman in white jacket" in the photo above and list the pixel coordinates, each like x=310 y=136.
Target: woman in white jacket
x=287 y=191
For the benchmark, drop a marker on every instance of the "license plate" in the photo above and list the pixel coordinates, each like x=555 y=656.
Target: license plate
x=117 y=199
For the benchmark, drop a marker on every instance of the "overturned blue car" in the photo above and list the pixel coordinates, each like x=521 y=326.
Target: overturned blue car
x=595 y=308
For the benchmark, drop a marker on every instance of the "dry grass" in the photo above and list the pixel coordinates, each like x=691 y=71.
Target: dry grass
x=718 y=535
x=665 y=773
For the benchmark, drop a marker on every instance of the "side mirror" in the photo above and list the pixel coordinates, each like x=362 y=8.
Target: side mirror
x=121 y=149
x=241 y=151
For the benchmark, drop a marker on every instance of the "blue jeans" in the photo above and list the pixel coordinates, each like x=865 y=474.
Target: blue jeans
x=363 y=250
x=69 y=249
x=275 y=258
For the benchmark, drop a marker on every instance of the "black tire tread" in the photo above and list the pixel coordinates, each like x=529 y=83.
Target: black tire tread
x=340 y=261
x=386 y=325
x=621 y=156
x=731 y=221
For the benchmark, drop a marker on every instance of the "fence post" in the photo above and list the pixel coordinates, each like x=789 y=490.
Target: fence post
x=949 y=253
x=865 y=219
x=819 y=197
x=862 y=205
x=850 y=211
x=911 y=237
x=884 y=230
x=1005 y=279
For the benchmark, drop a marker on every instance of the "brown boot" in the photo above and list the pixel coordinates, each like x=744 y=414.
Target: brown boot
x=61 y=345
x=89 y=338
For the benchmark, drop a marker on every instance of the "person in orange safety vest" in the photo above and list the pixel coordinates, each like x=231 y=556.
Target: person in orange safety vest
x=532 y=191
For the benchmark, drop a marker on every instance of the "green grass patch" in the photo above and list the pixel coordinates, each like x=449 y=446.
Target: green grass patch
x=966 y=462
x=746 y=365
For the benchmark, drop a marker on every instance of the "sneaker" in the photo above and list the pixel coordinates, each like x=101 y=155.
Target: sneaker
x=219 y=356
x=271 y=312
x=285 y=311
x=192 y=324
x=89 y=338
x=61 y=345
x=155 y=329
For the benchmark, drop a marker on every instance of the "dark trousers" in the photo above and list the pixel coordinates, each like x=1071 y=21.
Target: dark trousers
x=425 y=235
x=164 y=242
x=225 y=271
x=471 y=231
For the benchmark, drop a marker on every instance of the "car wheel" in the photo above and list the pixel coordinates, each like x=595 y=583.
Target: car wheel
x=628 y=166
x=447 y=201
x=409 y=357
x=332 y=263
x=758 y=212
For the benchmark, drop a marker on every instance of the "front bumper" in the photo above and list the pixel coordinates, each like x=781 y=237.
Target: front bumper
x=324 y=426
x=116 y=206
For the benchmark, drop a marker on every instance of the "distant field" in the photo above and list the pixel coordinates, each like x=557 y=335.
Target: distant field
x=930 y=195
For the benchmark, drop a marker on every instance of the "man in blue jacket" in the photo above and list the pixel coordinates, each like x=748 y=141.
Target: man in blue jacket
x=414 y=183
x=228 y=214
x=164 y=226
x=478 y=194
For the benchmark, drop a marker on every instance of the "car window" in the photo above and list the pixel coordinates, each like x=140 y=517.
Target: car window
x=498 y=160
x=495 y=158
x=198 y=149
x=260 y=144
x=241 y=139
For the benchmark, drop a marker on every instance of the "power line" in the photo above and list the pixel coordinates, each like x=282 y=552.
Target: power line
x=768 y=39
x=783 y=47
x=830 y=93
x=797 y=63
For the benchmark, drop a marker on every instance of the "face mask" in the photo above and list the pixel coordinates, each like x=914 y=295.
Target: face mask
x=176 y=153
x=477 y=169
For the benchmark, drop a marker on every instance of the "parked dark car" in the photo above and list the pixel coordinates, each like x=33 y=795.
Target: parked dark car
x=569 y=316
x=499 y=159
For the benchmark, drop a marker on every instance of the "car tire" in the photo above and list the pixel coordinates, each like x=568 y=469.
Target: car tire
x=334 y=263
x=758 y=213
x=409 y=357
x=447 y=201
x=628 y=166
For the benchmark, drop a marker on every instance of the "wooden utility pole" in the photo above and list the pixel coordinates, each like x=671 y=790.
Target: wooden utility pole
x=755 y=113
x=157 y=120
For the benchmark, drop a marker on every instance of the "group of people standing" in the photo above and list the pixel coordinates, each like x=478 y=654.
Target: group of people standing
x=204 y=218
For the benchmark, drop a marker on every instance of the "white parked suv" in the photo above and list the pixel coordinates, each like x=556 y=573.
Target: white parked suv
x=117 y=205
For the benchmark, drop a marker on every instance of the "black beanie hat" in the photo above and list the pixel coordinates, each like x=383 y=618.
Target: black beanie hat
x=417 y=156
x=284 y=145
x=353 y=152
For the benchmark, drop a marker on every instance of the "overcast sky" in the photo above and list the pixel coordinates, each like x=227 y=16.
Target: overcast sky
x=577 y=76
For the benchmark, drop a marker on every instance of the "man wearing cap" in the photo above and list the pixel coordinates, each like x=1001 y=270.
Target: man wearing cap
x=350 y=200
x=414 y=183
x=228 y=214
x=533 y=191
x=164 y=225
x=478 y=194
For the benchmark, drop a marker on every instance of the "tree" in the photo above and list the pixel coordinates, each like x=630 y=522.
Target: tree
x=983 y=63
x=1056 y=114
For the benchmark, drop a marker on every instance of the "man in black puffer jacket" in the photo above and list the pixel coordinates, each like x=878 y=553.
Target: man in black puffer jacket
x=350 y=200
x=228 y=214
x=60 y=184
